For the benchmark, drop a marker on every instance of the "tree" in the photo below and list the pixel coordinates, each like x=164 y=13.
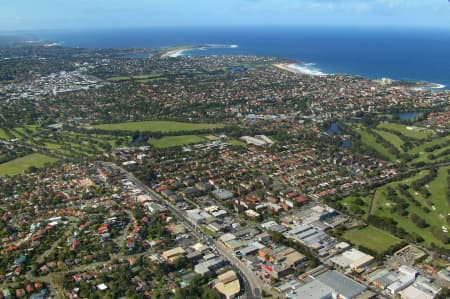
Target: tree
x=418 y=221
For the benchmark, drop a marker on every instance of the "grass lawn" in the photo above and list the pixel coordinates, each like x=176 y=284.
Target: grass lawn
x=370 y=141
x=158 y=126
x=33 y=128
x=236 y=142
x=21 y=164
x=391 y=138
x=421 y=148
x=209 y=232
x=416 y=135
x=27 y=131
x=138 y=77
x=101 y=139
x=116 y=79
x=352 y=207
x=423 y=155
x=77 y=144
x=3 y=134
x=436 y=203
x=408 y=131
x=372 y=238
x=71 y=148
x=438 y=189
x=380 y=199
x=52 y=146
x=211 y=137
x=152 y=79
x=22 y=131
x=16 y=133
x=171 y=141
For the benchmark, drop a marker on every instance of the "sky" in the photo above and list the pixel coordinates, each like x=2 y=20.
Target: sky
x=19 y=15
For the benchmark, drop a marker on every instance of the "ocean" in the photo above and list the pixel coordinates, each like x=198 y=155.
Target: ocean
x=402 y=54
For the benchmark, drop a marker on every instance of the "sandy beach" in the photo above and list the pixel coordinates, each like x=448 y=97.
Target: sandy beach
x=174 y=53
x=305 y=69
x=285 y=67
x=429 y=86
x=180 y=52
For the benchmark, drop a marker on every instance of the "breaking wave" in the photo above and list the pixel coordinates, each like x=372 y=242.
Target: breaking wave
x=307 y=69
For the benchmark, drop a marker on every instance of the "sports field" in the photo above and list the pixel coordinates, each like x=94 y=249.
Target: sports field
x=21 y=164
x=171 y=141
x=138 y=77
x=372 y=238
x=236 y=142
x=158 y=126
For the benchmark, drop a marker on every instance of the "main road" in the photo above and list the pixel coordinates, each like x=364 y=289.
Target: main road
x=252 y=285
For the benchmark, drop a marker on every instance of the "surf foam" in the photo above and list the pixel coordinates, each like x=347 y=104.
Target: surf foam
x=307 y=69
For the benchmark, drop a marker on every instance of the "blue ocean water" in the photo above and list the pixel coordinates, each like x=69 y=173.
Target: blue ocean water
x=403 y=54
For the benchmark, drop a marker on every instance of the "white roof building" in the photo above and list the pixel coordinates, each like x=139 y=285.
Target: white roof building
x=413 y=292
x=199 y=247
x=352 y=259
x=227 y=237
x=102 y=287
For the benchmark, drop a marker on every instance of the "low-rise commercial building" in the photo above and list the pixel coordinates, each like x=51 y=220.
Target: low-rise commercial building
x=173 y=254
x=228 y=284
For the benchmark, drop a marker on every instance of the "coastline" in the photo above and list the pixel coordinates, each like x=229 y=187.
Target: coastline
x=172 y=53
x=430 y=86
x=301 y=68
x=293 y=67
x=436 y=86
x=175 y=53
x=308 y=69
x=283 y=66
x=358 y=56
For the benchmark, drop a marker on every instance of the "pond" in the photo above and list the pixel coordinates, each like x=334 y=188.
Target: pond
x=346 y=143
x=137 y=139
x=333 y=129
x=236 y=69
x=407 y=115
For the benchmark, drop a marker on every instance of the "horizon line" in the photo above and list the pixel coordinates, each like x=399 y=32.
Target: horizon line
x=199 y=26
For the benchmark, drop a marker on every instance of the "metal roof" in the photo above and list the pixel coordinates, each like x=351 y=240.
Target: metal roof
x=341 y=284
x=314 y=290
